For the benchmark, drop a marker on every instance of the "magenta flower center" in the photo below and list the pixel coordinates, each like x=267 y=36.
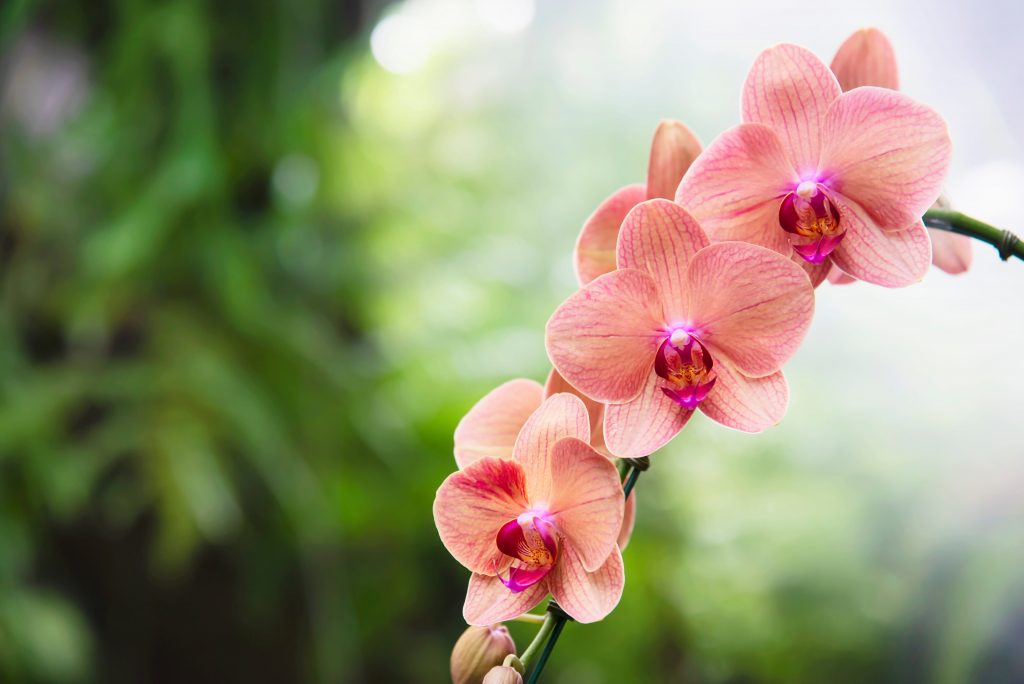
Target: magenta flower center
x=811 y=219
x=532 y=544
x=687 y=367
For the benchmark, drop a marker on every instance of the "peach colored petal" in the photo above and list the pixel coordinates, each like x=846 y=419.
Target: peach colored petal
x=751 y=304
x=887 y=153
x=556 y=383
x=837 y=277
x=489 y=601
x=747 y=404
x=595 y=247
x=644 y=425
x=561 y=415
x=950 y=252
x=673 y=149
x=866 y=59
x=586 y=500
x=471 y=506
x=603 y=338
x=882 y=257
x=789 y=89
x=734 y=188
x=587 y=596
x=816 y=273
x=491 y=426
x=628 y=521
x=660 y=237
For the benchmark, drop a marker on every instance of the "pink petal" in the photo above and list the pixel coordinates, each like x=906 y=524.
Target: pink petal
x=950 y=252
x=743 y=403
x=886 y=152
x=489 y=601
x=882 y=257
x=603 y=338
x=561 y=415
x=673 y=149
x=660 y=237
x=837 y=277
x=644 y=425
x=587 y=596
x=628 y=520
x=556 y=383
x=586 y=500
x=866 y=59
x=471 y=506
x=816 y=273
x=491 y=426
x=595 y=247
x=789 y=89
x=735 y=187
x=750 y=304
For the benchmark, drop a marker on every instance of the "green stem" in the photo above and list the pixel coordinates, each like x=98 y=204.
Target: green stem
x=529 y=618
x=543 y=633
x=634 y=474
x=558 y=624
x=1006 y=242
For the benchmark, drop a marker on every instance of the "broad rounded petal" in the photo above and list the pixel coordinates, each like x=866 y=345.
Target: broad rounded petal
x=789 y=89
x=587 y=596
x=489 y=601
x=886 y=152
x=491 y=426
x=603 y=338
x=816 y=273
x=561 y=415
x=735 y=187
x=837 y=277
x=628 y=521
x=866 y=59
x=673 y=149
x=471 y=506
x=595 y=247
x=556 y=383
x=586 y=500
x=660 y=238
x=951 y=252
x=744 y=403
x=882 y=257
x=750 y=304
x=642 y=426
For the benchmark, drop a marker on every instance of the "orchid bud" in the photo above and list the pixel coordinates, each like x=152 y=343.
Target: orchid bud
x=503 y=675
x=478 y=650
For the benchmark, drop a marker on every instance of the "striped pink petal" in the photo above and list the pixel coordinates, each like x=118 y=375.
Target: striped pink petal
x=595 y=247
x=587 y=596
x=561 y=415
x=750 y=304
x=489 y=601
x=882 y=257
x=556 y=383
x=866 y=59
x=673 y=149
x=816 y=273
x=586 y=500
x=491 y=426
x=789 y=89
x=644 y=425
x=951 y=252
x=735 y=187
x=660 y=237
x=887 y=153
x=743 y=403
x=603 y=338
x=837 y=277
x=471 y=506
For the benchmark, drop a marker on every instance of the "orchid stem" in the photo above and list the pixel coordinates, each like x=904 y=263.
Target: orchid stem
x=529 y=618
x=1004 y=241
x=547 y=626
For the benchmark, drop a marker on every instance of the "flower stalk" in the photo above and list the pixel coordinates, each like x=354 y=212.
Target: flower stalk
x=1006 y=243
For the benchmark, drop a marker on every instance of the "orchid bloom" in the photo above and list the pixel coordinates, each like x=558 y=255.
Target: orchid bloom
x=545 y=520
x=672 y=151
x=490 y=428
x=682 y=324
x=823 y=176
x=867 y=58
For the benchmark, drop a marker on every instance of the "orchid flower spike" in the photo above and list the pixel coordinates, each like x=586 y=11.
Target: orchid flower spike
x=683 y=324
x=545 y=520
x=823 y=176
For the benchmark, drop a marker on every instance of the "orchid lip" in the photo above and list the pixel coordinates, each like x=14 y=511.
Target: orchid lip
x=812 y=221
x=531 y=541
x=687 y=367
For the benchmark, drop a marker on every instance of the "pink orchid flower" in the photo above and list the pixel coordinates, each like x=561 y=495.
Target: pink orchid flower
x=682 y=324
x=672 y=151
x=825 y=176
x=545 y=520
x=490 y=428
x=867 y=58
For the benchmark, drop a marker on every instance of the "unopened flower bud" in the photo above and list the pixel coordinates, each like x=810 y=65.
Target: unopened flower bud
x=503 y=675
x=478 y=650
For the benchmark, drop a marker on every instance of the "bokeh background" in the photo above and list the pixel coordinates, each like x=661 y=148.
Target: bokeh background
x=258 y=258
